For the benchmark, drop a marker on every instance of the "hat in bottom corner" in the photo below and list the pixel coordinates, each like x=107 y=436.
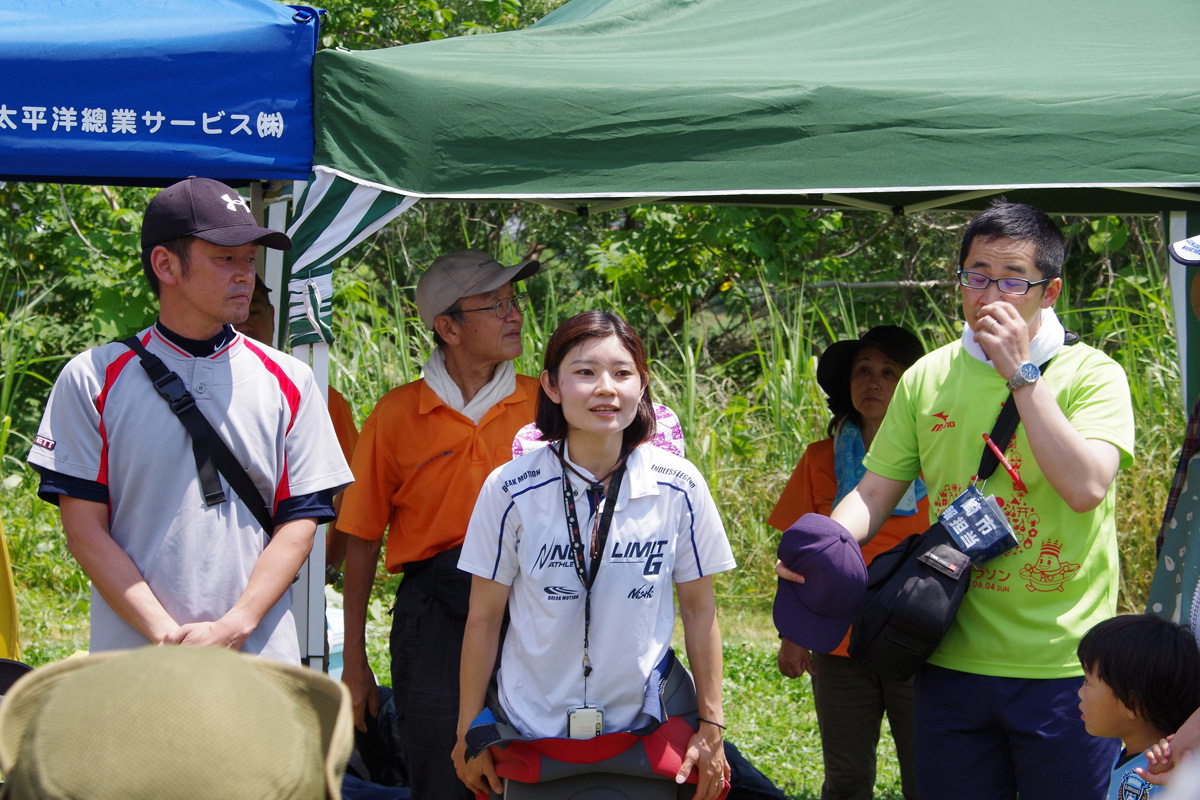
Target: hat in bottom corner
x=817 y=613
x=174 y=723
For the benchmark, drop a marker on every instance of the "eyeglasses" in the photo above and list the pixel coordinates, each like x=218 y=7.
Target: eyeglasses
x=503 y=308
x=977 y=280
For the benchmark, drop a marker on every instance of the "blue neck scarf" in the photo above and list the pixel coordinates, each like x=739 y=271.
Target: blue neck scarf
x=848 y=454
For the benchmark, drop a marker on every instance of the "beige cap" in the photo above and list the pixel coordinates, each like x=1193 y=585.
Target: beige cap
x=461 y=274
x=175 y=723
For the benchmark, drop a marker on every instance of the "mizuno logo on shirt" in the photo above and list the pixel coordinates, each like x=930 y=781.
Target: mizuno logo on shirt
x=945 y=422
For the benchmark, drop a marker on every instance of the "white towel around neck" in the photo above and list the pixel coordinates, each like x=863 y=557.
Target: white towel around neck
x=502 y=384
x=1045 y=345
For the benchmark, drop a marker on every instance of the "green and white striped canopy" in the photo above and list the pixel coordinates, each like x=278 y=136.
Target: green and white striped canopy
x=332 y=216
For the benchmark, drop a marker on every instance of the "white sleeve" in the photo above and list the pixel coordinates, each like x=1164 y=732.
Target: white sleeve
x=314 y=457
x=702 y=547
x=490 y=548
x=68 y=438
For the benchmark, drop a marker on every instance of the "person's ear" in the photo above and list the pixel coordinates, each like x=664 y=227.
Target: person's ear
x=166 y=266
x=1053 y=290
x=448 y=329
x=549 y=388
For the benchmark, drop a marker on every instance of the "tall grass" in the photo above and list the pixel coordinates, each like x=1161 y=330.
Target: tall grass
x=749 y=411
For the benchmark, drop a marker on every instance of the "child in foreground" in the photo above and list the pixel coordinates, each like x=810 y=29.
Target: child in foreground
x=1141 y=683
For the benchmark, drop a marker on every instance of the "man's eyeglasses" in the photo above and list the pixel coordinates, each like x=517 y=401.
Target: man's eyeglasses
x=503 y=308
x=977 y=280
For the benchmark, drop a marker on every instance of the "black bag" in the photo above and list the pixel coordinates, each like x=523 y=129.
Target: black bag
x=914 y=590
x=913 y=593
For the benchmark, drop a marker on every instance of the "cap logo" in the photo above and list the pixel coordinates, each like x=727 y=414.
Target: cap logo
x=232 y=204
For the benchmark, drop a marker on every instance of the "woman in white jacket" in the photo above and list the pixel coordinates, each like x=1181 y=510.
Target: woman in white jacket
x=581 y=541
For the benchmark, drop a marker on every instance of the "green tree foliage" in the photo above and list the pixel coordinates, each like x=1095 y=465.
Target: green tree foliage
x=71 y=277
x=358 y=25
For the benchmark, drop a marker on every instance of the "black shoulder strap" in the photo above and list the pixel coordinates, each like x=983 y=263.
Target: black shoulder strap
x=207 y=445
x=1009 y=419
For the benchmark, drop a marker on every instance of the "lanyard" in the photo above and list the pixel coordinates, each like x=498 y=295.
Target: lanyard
x=588 y=577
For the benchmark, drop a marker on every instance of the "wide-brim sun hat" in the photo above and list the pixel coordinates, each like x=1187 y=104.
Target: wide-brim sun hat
x=174 y=723
x=835 y=364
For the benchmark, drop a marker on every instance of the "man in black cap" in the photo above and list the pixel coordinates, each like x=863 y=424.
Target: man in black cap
x=174 y=558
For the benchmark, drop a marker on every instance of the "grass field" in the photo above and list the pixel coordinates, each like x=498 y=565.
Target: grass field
x=771 y=718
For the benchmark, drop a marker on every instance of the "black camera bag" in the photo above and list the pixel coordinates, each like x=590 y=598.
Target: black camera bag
x=913 y=593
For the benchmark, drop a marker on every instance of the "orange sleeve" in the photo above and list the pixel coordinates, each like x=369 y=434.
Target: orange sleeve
x=810 y=489
x=343 y=423
x=366 y=503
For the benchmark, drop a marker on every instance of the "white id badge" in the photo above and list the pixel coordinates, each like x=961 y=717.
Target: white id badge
x=585 y=722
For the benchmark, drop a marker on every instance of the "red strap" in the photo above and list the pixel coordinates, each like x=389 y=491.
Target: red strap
x=665 y=748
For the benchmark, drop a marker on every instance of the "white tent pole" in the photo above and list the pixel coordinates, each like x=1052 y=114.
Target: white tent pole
x=308 y=601
x=273 y=271
x=308 y=592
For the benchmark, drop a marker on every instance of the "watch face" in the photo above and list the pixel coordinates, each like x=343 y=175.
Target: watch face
x=1029 y=372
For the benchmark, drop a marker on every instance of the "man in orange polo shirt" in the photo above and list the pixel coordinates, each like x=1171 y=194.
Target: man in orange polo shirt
x=421 y=459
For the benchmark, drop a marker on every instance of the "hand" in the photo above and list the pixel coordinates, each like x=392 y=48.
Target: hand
x=705 y=751
x=479 y=774
x=1004 y=335
x=1158 y=756
x=220 y=633
x=787 y=574
x=793 y=659
x=359 y=679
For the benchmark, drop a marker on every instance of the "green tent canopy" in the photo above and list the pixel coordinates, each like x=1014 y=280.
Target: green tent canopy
x=1087 y=103
x=1077 y=106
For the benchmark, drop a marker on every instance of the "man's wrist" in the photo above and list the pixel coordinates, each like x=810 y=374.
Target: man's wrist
x=1027 y=373
x=354 y=652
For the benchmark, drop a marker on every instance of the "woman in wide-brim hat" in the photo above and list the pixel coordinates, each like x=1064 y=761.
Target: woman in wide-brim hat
x=859 y=377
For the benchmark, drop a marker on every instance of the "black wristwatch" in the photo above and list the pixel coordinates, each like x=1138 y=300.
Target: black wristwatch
x=1026 y=374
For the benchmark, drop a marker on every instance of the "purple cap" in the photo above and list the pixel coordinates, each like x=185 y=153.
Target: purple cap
x=817 y=613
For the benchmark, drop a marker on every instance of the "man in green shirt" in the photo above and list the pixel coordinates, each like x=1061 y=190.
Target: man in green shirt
x=996 y=704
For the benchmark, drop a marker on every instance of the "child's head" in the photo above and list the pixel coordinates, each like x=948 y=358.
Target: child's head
x=1148 y=665
x=588 y=330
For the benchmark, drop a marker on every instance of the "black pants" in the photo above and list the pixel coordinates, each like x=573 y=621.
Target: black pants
x=426 y=644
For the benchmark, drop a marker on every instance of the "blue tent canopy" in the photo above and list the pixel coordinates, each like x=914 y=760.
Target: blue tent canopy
x=145 y=92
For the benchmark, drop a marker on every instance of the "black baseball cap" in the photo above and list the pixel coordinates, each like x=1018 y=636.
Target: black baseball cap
x=208 y=210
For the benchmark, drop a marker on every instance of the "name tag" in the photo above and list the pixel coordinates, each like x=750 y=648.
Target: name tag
x=978 y=526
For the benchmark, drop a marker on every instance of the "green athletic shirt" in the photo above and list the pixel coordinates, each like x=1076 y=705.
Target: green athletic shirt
x=1026 y=610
